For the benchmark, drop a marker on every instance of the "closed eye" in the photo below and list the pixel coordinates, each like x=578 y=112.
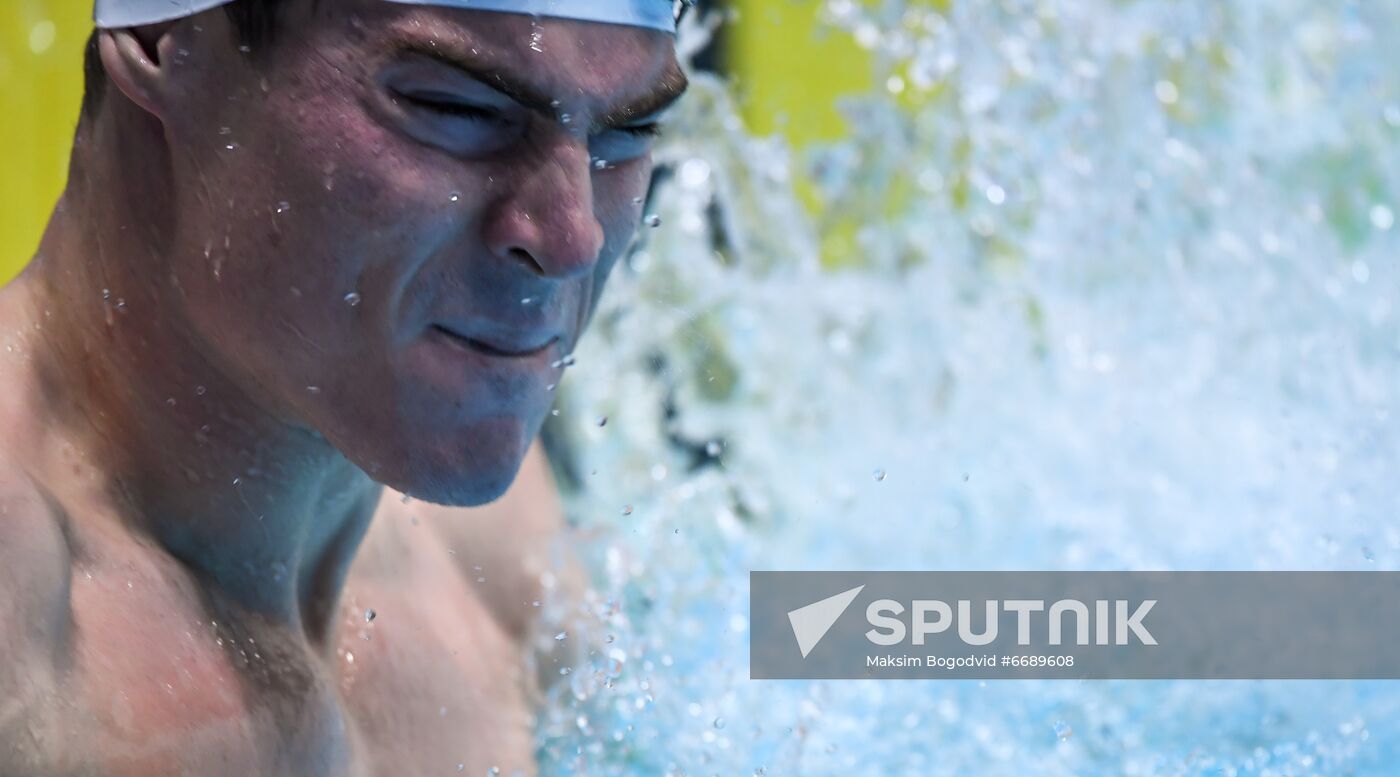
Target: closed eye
x=446 y=106
x=652 y=130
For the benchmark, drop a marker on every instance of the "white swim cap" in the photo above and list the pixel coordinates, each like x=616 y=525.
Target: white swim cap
x=652 y=14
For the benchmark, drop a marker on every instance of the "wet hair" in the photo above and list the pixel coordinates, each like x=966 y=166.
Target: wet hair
x=254 y=22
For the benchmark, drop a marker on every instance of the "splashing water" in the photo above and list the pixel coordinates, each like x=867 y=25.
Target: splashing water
x=1119 y=293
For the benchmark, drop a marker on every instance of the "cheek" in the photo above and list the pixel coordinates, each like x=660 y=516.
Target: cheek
x=619 y=200
x=301 y=284
x=360 y=209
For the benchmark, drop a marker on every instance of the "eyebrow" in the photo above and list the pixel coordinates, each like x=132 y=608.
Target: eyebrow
x=670 y=89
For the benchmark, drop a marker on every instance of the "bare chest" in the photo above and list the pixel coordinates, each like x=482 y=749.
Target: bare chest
x=418 y=680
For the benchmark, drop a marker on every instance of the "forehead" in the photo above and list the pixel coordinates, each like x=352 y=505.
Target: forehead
x=568 y=59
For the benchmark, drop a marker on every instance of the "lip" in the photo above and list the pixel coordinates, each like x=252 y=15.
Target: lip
x=496 y=346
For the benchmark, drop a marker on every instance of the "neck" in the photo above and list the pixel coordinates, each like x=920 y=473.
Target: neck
x=266 y=514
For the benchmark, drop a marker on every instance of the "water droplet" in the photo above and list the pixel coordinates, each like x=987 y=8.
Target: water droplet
x=370 y=615
x=1063 y=731
x=454 y=197
x=349 y=657
x=719 y=723
x=713 y=449
x=1166 y=92
x=1382 y=217
x=879 y=475
x=42 y=36
x=653 y=221
x=352 y=299
x=528 y=300
x=600 y=164
x=637 y=200
x=561 y=636
x=627 y=509
x=602 y=421
x=313 y=389
x=694 y=173
x=200 y=391
x=996 y=195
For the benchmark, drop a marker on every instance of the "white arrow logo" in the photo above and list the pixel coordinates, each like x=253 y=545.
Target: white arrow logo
x=811 y=623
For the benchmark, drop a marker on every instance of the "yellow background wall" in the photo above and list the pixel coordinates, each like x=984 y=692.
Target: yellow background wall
x=41 y=83
x=788 y=71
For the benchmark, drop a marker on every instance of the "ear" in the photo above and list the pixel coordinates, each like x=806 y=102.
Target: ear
x=134 y=69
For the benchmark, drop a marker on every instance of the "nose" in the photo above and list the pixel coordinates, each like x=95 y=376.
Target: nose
x=546 y=220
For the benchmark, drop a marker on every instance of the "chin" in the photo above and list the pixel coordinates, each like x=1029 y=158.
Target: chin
x=470 y=470
x=454 y=490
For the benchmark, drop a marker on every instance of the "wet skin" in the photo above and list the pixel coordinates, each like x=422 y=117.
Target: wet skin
x=278 y=282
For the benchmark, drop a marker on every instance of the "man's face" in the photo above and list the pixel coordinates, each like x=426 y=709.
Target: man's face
x=393 y=224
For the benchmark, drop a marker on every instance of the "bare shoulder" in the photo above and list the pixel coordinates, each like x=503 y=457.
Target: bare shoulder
x=34 y=596
x=34 y=552
x=34 y=557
